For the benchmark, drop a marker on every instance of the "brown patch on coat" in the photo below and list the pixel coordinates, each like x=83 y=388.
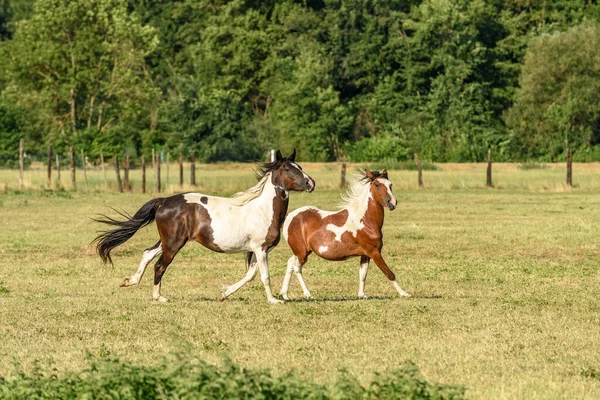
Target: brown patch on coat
x=204 y=200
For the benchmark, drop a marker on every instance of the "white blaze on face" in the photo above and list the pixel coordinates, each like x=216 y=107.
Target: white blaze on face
x=388 y=186
x=303 y=174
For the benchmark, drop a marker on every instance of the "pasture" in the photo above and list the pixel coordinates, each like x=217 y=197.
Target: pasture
x=505 y=285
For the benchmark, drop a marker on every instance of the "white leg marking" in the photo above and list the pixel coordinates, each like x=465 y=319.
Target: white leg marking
x=263 y=266
x=156 y=294
x=148 y=256
x=288 y=277
x=362 y=275
x=401 y=292
x=229 y=290
x=298 y=271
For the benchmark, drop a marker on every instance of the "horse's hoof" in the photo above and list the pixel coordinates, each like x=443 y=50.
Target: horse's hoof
x=222 y=297
x=308 y=297
x=275 y=301
x=362 y=297
x=404 y=294
x=160 y=299
x=125 y=283
x=285 y=296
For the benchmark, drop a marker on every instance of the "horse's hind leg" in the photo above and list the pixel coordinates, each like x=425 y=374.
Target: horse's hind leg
x=250 y=274
x=169 y=251
x=295 y=266
x=148 y=256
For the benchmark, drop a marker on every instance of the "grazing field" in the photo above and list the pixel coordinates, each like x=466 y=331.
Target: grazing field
x=505 y=284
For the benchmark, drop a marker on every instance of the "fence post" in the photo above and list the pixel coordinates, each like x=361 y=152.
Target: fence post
x=569 y=168
x=72 y=159
x=57 y=169
x=272 y=157
x=193 y=170
x=488 y=181
x=153 y=160
x=180 y=170
x=167 y=177
x=143 y=174
x=119 y=183
x=126 y=173
x=49 y=167
x=419 y=168
x=343 y=177
x=103 y=170
x=157 y=172
x=21 y=151
x=84 y=167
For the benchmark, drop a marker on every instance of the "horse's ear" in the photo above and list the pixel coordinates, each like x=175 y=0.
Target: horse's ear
x=384 y=173
x=293 y=156
x=278 y=156
x=369 y=174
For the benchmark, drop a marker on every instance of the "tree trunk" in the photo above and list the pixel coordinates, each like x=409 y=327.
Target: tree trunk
x=126 y=173
x=343 y=177
x=58 y=170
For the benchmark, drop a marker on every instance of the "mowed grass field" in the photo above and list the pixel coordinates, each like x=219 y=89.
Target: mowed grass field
x=505 y=284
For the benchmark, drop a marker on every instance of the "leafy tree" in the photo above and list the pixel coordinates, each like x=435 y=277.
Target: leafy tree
x=80 y=64
x=558 y=104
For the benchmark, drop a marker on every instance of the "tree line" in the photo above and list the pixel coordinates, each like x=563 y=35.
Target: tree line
x=359 y=80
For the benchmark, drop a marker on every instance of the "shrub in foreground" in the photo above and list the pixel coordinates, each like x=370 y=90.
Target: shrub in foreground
x=113 y=379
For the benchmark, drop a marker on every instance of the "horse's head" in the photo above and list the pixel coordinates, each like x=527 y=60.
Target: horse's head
x=289 y=175
x=381 y=189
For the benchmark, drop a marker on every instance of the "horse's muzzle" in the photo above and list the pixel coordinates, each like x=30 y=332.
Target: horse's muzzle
x=309 y=185
x=391 y=206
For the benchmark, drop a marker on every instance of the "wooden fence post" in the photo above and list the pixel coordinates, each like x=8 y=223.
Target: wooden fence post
x=180 y=170
x=343 y=177
x=72 y=160
x=153 y=160
x=488 y=181
x=143 y=174
x=157 y=172
x=103 y=170
x=49 y=167
x=126 y=186
x=57 y=169
x=21 y=151
x=119 y=183
x=193 y=170
x=569 y=168
x=84 y=167
x=167 y=174
x=419 y=168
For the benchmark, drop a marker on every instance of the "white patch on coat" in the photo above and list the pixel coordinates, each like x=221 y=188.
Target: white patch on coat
x=356 y=201
x=323 y=249
x=290 y=217
x=240 y=227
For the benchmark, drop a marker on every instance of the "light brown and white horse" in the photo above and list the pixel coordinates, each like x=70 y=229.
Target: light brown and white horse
x=247 y=222
x=353 y=231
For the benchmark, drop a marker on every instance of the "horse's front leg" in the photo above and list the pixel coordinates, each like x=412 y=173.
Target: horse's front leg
x=262 y=259
x=378 y=259
x=362 y=276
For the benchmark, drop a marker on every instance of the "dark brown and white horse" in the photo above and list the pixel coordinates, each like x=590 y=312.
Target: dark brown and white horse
x=353 y=231
x=249 y=221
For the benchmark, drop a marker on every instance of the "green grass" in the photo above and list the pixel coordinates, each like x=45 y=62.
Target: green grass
x=505 y=281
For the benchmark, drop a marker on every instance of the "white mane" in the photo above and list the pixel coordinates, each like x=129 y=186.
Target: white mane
x=243 y=198
x=357 y=193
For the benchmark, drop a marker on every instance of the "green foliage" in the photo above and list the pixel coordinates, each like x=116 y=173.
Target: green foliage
x=335 y=79
x=113 y=379
x=558 y=105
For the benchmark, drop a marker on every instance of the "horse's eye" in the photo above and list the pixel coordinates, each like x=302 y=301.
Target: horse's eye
x=286 y=168
x=377 y=185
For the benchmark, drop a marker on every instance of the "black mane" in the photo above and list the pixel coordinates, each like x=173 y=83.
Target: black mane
x=365 y=178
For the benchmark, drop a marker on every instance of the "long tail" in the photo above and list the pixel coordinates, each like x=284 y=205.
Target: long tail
x=108 y=240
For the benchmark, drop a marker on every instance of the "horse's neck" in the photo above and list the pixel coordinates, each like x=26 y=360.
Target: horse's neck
x=374 y=215
x=271 y=197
